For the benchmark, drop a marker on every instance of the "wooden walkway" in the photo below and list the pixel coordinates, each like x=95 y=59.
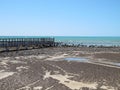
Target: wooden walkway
x=7 y=44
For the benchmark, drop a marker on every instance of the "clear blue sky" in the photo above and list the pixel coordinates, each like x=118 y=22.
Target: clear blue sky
x=60 y=17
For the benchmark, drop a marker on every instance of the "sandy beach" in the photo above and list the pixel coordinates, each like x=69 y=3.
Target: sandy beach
x=61 y=68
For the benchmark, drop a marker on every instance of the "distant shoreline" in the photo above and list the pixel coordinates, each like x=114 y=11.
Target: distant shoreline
x=57 y=41
x=84 y=40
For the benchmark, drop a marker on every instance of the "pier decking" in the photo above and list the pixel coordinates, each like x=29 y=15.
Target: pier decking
x=7 y=44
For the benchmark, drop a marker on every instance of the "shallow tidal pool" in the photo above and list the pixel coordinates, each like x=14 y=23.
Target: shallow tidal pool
x=77 y=59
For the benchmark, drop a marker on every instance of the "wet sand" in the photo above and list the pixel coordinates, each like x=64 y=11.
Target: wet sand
x=47 y=69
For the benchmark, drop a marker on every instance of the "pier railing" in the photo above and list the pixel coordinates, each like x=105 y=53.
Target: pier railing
x=25 y=43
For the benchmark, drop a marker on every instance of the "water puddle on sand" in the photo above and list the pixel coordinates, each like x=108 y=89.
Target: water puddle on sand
x=77 y=59
x=85 y=60
x=116 y=64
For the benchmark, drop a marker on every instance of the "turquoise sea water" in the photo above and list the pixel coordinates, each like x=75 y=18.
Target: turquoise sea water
x=106 y=41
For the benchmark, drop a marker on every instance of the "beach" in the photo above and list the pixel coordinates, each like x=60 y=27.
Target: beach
x=61 y=68
x=59 y=44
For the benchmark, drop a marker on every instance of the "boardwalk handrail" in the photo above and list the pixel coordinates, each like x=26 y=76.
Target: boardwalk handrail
x=26 y=42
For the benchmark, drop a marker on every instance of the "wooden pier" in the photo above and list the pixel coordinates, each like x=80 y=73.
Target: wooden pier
x=7 y=44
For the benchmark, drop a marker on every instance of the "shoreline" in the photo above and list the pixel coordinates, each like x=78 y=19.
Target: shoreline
x=54 y=45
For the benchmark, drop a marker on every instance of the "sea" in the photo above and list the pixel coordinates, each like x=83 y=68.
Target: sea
x=82 y=40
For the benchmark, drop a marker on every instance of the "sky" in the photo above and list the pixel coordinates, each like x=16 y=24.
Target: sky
x=59 y=17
